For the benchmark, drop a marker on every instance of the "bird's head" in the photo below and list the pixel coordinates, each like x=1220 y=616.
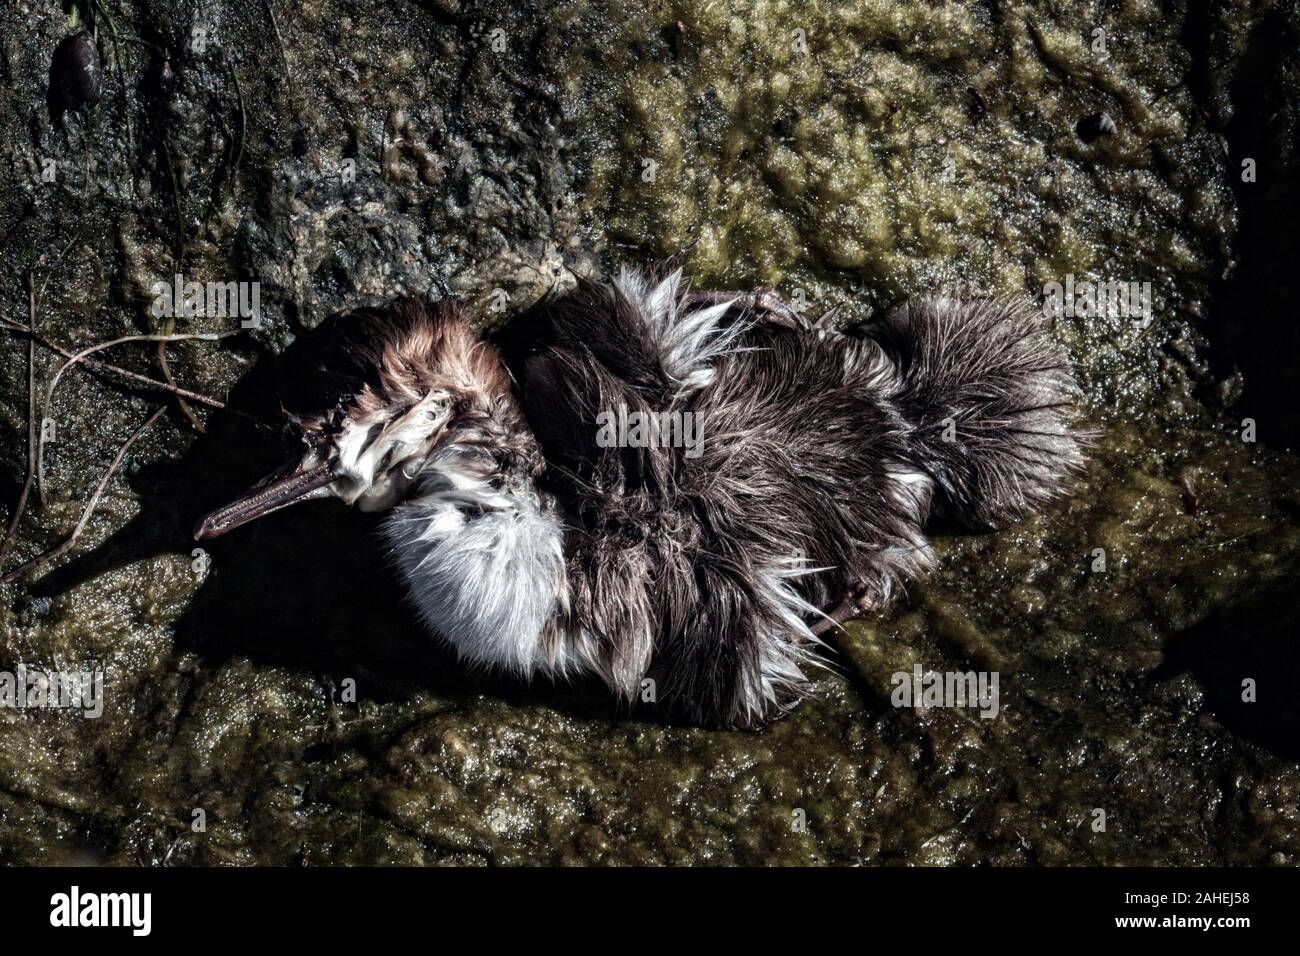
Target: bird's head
x=375 y=404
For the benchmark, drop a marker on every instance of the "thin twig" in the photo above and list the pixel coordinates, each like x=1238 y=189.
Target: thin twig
x=288 y=74
x=21 y=507
x=121 y=77
x=243 y=135
x=178 y=257
x=123 y=36
x=63 y=548
x=219 y=198
x=167 y=374
x=57 y=262
x=179 y=253
x=49 y=392
x=101 y=366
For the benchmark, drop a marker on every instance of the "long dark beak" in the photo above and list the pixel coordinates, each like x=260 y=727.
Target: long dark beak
x=278 y=491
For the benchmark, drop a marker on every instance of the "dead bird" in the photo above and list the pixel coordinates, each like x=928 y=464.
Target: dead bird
x=537 y=538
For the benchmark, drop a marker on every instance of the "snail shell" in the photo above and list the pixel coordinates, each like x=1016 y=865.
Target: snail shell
x=75 y=73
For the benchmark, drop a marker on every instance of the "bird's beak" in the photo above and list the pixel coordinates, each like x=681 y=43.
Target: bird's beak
x=279 y=490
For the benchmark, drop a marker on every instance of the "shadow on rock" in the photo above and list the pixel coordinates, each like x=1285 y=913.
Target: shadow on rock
x=1255 y=640
x=1250 y=328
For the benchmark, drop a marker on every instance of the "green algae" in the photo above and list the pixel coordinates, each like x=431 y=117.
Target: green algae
x=896 y=149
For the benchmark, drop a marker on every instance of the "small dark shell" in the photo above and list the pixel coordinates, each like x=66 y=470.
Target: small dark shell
x=1095 y=126
x=75 y=73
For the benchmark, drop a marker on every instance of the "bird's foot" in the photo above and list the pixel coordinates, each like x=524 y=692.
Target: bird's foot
x=856 y=605
x=768 y=306
x=763 y=303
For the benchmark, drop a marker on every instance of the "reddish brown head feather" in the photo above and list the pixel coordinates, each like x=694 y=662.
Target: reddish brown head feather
x=417 y=347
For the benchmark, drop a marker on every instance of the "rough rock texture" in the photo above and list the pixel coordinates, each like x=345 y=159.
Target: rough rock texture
x=846 y=154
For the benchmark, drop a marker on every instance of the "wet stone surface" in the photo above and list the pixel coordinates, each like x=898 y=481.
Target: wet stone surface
x=847 y=153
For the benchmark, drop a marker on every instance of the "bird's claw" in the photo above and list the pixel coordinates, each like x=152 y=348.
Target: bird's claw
x=855 y=605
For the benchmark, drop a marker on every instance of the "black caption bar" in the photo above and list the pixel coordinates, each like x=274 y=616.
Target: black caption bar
x=331 y=906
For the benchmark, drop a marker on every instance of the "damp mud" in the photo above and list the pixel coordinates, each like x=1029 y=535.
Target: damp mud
x=270 y=700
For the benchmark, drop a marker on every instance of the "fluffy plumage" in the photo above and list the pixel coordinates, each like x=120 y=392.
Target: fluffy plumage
x=530 y=545
x=987 y=393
